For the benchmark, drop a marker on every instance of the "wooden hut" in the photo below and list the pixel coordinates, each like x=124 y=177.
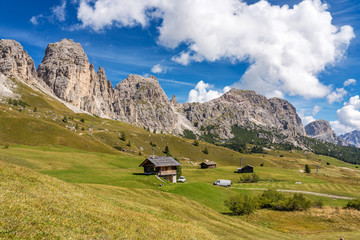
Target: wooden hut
x=165 y=167
x=246 y=169
x=208 y=164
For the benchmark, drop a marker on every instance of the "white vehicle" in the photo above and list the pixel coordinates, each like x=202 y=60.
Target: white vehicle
x=223 y=183
x=181 y=179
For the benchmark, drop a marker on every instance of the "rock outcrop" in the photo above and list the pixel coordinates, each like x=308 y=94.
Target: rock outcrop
x=66 y=70
x=352 y=138
x=321 y=129
x=15 y=62
x=247 y=109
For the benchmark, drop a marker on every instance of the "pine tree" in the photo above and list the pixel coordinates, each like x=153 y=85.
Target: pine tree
x=206 y=151
x=307 y=169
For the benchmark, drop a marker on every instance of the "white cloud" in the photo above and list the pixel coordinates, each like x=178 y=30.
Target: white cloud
x=349 y=82
x=349 y=114
x=340 y=128
x=58 y=13
x=203 y=93
x=158 y=68
x=286 y=47
x=316 y=110
x=305 y=119
x=336 y=96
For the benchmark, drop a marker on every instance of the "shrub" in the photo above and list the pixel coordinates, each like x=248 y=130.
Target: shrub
x=154 y=131
x=6 y=146
x=76 y=126
x=35 y=109
x=65 y=120
x=82 y=120
x=206 y=151
x=318 y=204
x=353 y=204
x=128 y=144
x=250 y=178
x=327 y=163
x=152 y=144
x=123 y=136
x=262 y=164
x=240 y=205
x=140 y=153
x=178 y=171
x=281 y=155
x=296 y=203
x=167 y=151
x=196 y=143
x=307 y=169
x=270 y=198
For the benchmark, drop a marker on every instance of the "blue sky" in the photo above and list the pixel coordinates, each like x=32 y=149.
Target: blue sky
x=128 y=37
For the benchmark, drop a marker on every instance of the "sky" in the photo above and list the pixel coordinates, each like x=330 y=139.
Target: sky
x=306 y=52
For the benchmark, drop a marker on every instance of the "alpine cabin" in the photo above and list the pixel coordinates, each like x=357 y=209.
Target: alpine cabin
x=246 y=169
x=165 y=167
x=208 y=164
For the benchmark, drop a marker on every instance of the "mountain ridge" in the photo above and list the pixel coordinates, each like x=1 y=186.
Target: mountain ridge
x=67 y=73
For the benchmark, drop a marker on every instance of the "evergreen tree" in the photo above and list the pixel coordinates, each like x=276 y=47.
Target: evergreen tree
x=206 y=151
x=307 y=169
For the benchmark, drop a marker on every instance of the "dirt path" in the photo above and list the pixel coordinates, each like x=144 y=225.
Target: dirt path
x=303 y=192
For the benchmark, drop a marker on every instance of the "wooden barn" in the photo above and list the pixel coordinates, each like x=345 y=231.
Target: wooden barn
x=208 y=164
x=165 y=167
x=246 y=169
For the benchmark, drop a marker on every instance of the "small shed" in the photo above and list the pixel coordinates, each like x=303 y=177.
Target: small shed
x=165 y=167
x=246 y=169
x=208 y=164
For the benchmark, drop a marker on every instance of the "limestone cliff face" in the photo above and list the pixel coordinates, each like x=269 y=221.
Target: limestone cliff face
x=66 y=70
x=143 y=102
x=15 y=61
x=321 y=129
x=245 y=108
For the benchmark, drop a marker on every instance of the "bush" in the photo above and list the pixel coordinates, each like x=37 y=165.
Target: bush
x=241 y=205
x=65 y=120
x=123 y=136
x=128 y=144
x=327 y=163
x=6 y=146
x=262 y=164
x=178 y=171
x=250 y=178
x=353 y=204
x=318 y=204
x=152 y=144
x=296 y=203
x=196 y=143
x=167 y=151
x=154 y=131
x=35 y=109
x=82 y=120
x=307 y=169
x=270 y=198
x=206 y=151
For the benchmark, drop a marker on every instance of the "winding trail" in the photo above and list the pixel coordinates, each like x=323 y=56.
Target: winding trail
x=303 y=192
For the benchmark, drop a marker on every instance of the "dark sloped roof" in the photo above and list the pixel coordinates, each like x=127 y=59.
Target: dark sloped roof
x=247 y=166
x=162 y=161
x=209 y=163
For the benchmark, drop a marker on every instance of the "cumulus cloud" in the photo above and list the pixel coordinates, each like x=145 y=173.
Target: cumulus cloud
x=349 y=114
x=58 y=13
x=316 y=110
x=158 y=68
x=336 y=96
x=340 y=128
x=286 y=47
x=203 y=93
x=349 y=82
x=306 y=119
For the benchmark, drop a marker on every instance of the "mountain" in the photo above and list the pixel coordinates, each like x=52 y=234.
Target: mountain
x=321 y=129
x=66 y=73
x=246 y=109
x=352 y=138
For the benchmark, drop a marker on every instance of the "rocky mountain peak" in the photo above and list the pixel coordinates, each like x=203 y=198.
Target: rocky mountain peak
x=352 y=138
x=318 y=127
x=173 y=100
x=321 y=129
x=15 y=61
